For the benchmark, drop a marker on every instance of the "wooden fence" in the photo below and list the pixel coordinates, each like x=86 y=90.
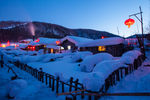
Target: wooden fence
x=59 y=86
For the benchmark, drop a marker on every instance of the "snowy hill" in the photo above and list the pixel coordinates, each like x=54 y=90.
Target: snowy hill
x=15 y=31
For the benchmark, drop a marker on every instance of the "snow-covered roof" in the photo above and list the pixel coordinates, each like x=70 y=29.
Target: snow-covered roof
x=51 y=41
x=76 y=40
x=103 y=42
x=53 y=46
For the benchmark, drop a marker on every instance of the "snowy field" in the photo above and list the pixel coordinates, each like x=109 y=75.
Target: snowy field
x=77 y=65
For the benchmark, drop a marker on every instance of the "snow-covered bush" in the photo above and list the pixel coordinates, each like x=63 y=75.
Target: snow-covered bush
x=90 y=61
x=130 y=56
x=15 y=87
x=93 y=81
x=79 y=56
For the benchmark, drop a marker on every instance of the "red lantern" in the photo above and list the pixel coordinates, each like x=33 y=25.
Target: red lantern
x=38 y=40
x=57 y=42
x=129 y=22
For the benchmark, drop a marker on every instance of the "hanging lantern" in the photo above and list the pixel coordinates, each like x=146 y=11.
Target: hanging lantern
x=57 y=42
x=129 y=22
x=38 y=40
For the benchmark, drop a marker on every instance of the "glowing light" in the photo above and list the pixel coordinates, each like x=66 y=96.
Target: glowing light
x=8 y=43
x=38 y=40
x=69 y=47
x=57 y=42
x=101 y=48
x=52 y=50
x=102 y=37
x=129 y=22
x=3 y=45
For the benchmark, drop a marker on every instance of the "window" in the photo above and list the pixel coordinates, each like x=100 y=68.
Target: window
x=62 y=48
x=52 y=50
x=69 y=47
x=101 y=48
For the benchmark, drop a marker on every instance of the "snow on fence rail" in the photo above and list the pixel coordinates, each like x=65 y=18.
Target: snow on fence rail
x=73 y=85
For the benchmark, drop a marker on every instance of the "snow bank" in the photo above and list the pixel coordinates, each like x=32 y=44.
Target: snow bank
x=130 y=56
x=80 y=56
x=93 y=81
x=89 y=62
x=15 y=87
x=102 y=70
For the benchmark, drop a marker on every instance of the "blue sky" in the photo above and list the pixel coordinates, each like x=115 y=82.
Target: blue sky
x=103 y=15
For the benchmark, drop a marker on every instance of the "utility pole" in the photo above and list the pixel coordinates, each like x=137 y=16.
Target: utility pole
x=140 y=40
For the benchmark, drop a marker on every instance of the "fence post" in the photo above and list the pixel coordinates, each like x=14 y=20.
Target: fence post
x=71 y=81
x=117 y=75
x=121 y=73
x=53 y=83
x=76 y=84
x=62 y=87
x=74 y=97
x=126 y=71
x=46 y=78
x=82 y=96
x=50 y=81
x=2 y=61
x=57 y=84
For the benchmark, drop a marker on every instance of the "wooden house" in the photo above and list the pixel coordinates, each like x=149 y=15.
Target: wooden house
x=114 y=46
x=71 y=43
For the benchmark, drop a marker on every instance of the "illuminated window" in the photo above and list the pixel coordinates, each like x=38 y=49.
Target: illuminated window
x=52 y=50
x=69 y=47
x=101 y=48
x=62 y=48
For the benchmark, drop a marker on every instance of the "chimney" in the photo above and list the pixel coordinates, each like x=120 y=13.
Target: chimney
x=33 y=37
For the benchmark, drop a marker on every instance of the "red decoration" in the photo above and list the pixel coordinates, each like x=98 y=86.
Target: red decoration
x=8 y=43
x=38 y=40
x=129 y=22
x=102 y=37
x=57 y=42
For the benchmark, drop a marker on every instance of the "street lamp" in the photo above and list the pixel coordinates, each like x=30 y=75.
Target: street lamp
x=141 y=20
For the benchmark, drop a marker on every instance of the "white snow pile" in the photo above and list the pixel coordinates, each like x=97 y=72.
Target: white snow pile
x=93 y=81
x=80 y=55
x=103 y=42
x=15 y=87
x=130 y=56
x=90 y=61
x=102 y=70
x=38 y=58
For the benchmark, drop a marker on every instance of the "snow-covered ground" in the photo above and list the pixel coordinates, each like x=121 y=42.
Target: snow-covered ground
x=66 y=65
x=34 y=90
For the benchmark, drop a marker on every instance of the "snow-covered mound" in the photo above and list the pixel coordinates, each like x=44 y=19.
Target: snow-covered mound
x=80 y=56
x=130 y=56
x=102 y=70
x=89 y=62
x=93 y=81
x=15 y=87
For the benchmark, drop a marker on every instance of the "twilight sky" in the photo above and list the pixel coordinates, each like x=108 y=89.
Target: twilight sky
x=103 y=15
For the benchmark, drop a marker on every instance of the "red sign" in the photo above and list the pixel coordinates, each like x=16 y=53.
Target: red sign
x=129 y=22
